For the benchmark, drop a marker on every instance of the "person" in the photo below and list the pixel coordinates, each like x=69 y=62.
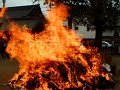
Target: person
x=3 y=45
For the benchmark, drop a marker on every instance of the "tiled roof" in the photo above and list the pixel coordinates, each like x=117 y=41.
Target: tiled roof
x=30 y=15
x=23 y=11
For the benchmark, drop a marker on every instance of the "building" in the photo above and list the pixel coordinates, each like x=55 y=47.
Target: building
x=81 y=31
x=30 y=15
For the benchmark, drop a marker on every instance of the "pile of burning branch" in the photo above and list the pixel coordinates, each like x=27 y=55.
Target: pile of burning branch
x=54 y=75
x=54 y=59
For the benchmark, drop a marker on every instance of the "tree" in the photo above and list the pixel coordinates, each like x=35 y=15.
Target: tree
x=100 y=15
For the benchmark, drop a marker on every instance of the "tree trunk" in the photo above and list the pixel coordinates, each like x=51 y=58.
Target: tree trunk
x=98 y=37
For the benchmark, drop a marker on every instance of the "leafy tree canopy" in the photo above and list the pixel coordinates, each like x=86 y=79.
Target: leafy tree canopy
x=85 y=12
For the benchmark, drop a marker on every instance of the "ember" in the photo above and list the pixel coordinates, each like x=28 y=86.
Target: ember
x=53 y=59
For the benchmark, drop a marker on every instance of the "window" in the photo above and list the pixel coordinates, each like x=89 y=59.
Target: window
x=76 y=27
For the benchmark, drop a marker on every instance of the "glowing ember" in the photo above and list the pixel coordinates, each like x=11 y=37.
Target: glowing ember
x=54 y=58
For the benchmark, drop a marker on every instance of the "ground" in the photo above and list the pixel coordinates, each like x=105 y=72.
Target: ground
x=116 y=61
x=9 y=67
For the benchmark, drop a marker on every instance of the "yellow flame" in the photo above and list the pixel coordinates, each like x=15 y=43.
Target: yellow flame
x=2 y=12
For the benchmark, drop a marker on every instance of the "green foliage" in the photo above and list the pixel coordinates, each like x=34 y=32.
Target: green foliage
x=106 y=11
x=87 y=11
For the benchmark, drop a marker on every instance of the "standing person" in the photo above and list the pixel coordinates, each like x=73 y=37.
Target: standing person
x=3 y=46
x=3 y=50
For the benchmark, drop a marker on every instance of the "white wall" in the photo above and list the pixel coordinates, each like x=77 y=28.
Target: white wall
x=82 y=31
x=108 y=33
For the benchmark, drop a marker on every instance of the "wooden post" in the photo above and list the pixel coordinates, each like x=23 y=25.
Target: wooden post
x=4 y=3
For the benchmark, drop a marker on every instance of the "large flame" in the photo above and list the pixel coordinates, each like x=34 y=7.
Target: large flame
x=54 y=58
x=51 y=44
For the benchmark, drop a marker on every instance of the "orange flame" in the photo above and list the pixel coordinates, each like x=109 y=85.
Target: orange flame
x=54 y=56
x=3 y=35
x=2 y=12
x=52 y=42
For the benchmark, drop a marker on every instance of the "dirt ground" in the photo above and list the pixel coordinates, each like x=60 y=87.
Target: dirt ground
x=8 y=68
x=116 y=61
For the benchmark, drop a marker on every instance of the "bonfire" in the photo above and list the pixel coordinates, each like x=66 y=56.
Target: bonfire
x=54 y=59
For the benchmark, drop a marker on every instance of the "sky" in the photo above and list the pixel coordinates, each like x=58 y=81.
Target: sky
x=12 y=3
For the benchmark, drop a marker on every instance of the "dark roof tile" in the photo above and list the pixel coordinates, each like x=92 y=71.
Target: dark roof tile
x=23 y=11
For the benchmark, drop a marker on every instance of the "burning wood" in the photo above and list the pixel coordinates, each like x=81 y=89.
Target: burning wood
x=53 y=59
